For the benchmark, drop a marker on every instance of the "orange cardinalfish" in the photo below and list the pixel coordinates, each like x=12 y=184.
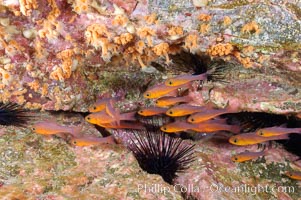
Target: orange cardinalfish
x=176 y=127
x=102 y=104
x=252 y=138
x=184 y=126
x=151 y=111
x=293 y=175
x=184 y=109
x=169 y=101
x=205 y=115
x=104 y=118
x=276 y=130
x=124 y=125
x=162 y=90
x=209 y=127
x=91 y=141
x=246 y=156
x=51 y=128
x=183 y=79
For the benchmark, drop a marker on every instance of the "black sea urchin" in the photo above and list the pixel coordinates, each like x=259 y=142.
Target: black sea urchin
x=12 y=114
x=158 y=153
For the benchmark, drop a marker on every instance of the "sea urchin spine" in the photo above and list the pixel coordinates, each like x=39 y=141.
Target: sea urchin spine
x=12 y=114
x=158 y=153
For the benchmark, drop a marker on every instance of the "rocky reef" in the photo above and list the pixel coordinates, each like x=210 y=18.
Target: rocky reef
x=58 y=57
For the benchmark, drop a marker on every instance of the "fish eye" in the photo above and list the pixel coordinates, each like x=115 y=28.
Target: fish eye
x=156 y=102
x=235 y=158
x=170 y=83
x=33 y=128
x=260 y=133
x=88 y=118
x=140 y=111
x=94 y=108
x=74 y=142
x=170 y=112
x=192 y=119
x=147 y=94
x=235 y=140
x=164 y=128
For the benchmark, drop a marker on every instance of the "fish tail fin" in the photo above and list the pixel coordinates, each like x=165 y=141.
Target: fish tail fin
x=110 y=140
x=114 y=113
x=219 y=120
x=173 y=93
x=284 y=125
x=235 y=129
x=202 y=77
x=133 y=125
x=187 y=98
x=76 y=131
x=282 y=137
x=117 y=117
x=130 y=116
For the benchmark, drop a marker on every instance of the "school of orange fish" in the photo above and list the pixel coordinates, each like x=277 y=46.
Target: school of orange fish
x=189 y=116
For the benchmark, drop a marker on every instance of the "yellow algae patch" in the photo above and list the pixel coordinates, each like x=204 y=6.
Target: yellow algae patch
x=13 y=48
x=55 y=12
x=5 y=94
x=140 y=46
x=151 y=19
x=162 y=49
x=48 y=31
x=57 y=74
x=34 y=85
x=68 y=65
x=6 y=77
x=97 y=35
x=248 y=50
x=40 y=51
x=120 y=20
x=66 y=56
x=133 y=54
x=19 y=95
x=251 y=27
x=20 y=100
x=80 y=6
x=175 y=32
x=50 y=24
x=33 y=106
x=204 y=28
x=146 y=33
x=204 y=17
x=16 y=45
x=123 y=39
x=263 y=58
x=220 y=49
x=227 y=20
x=191 y=42
x=26 y=6
x=94 y=32
x=246 y=62
x=44 y=91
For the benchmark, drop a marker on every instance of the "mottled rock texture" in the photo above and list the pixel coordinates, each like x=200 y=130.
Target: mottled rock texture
x=64 y=55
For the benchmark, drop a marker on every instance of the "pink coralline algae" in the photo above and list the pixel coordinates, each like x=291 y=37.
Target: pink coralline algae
x=182 y=67
x=55 y=48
